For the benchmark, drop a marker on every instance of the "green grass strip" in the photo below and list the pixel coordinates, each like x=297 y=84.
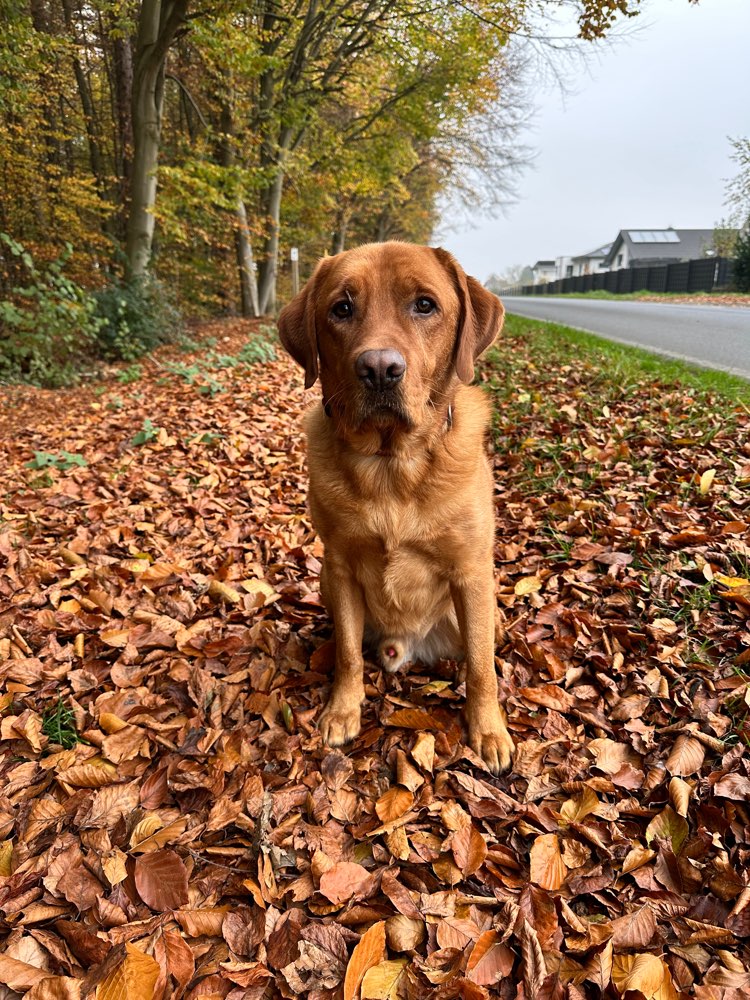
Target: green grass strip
x=553 y=345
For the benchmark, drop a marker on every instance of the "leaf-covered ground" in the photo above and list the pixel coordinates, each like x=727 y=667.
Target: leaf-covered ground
x=170 y=824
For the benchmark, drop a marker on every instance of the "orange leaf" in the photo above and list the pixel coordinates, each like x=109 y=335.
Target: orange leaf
x=394 y=803
x=547 y=866
x=133 y=979
x=369 y=951
x=469 y=848
x=344 y=880
x=413 y=718
x=490 y=960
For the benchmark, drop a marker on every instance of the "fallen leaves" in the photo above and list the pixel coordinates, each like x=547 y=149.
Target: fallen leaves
x=180 y=830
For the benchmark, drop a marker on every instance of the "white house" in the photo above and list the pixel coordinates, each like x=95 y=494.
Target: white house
x=564 y=267
x=634 y=247
x=591 y=262
x=543 y=271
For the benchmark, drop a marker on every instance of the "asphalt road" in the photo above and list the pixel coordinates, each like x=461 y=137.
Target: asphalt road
x=711 y=336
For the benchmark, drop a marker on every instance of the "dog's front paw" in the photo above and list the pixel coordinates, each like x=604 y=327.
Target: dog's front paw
x=339 y=723
x=489 y=737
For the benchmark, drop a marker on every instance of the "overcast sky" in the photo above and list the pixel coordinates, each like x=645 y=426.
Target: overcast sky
x=641 y=142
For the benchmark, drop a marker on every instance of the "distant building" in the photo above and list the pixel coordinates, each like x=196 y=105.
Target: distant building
x=635 y=247
x=564 y=267
x=543 y=271
x=591 y=262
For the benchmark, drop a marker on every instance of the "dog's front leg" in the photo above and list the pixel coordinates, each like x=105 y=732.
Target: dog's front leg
x=340 y=721
x=474 y=600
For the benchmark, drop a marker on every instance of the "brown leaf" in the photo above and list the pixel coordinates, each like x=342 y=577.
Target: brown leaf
x=549 y=696
x=635 y=929
x=178 y=957
x=161 y=880
x=19 y=975
x=687 y=756
x=547 y=866
x=469 y=849
x=344 y=880
x=413 y=718
x=532 y=959
x=490 y=960
x=56 y=988
x=538 y=909
x=733 y=786
x=404 y=933
x=369 y=951
x=679 y=795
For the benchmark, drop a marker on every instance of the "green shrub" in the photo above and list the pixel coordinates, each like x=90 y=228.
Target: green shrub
x=137 y=315
x=742 y=261
x=49 y=326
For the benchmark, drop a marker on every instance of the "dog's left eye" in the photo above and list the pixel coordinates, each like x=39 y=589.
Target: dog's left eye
x=342 y=309
x=425 y=305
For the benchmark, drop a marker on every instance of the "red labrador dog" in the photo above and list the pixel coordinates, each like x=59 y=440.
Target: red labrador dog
x=400 y=485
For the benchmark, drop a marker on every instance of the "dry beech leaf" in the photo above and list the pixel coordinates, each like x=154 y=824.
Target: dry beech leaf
x=55 y=988
x=381 y=982
x=547 y=866
x=404 y=933
x=669 y=826
x=423 y=751
x=645 y=973
x=469 y=849
x=687 y=756
x=527 y=585
x=133 y=978
x=398 y=843
x=413 y=718
x=368 y=952
x=733 y=786
x=20 y=975
x=680 y=793
x=549 y=696
x=394 y=803
x=344 y=880
x=634 y=930
x=580 y=806
x=490 y=960
x=161 y=880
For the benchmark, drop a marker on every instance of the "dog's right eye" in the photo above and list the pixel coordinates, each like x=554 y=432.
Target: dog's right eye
x=342 y=309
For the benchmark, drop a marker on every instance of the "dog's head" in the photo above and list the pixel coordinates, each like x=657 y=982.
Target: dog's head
x=389 y=328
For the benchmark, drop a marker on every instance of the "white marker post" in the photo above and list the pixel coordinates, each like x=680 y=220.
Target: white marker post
x=294 y=256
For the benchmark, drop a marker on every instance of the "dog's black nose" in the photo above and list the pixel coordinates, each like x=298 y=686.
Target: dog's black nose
x=380 y=369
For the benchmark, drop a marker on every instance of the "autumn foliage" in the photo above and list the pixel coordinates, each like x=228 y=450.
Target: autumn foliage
x=172 y=826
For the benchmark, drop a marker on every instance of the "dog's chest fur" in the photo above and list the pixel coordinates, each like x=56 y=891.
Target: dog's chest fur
x=403 y=520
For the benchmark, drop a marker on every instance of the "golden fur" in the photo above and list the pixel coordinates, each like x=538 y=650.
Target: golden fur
x=400 y=486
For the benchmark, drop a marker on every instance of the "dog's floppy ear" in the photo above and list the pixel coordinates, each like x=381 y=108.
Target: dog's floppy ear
x=297 y=326
x=480 y=321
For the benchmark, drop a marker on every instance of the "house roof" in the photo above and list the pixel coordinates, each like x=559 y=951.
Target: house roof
x=544 y=263
x=661 y=244
x=595 y=254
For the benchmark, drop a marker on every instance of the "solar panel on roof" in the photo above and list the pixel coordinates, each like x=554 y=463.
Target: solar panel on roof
x=653 y=236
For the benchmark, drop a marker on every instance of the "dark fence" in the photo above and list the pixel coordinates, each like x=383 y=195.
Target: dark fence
x=705 y=275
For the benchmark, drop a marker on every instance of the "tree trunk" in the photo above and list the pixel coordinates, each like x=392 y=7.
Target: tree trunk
x=158 y=24
x=338 y=244
x=245 y=264
x=271 y=209
x=87 y=105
